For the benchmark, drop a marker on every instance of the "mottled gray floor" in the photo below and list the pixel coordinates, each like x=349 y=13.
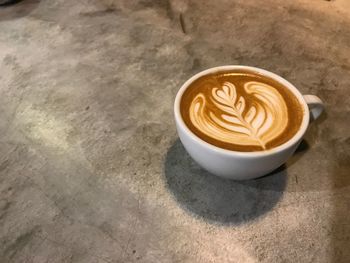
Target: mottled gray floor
x=91 y=169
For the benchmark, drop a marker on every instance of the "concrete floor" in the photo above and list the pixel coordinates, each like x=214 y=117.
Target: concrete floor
x=91 y=168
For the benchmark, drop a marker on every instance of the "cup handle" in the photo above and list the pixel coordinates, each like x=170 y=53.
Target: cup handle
x=315 y=105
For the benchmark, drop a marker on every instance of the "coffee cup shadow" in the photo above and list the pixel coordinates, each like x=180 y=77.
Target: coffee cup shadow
x=15 y=9
x=216 y=199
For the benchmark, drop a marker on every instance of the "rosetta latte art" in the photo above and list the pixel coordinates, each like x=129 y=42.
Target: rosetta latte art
x=226 y=116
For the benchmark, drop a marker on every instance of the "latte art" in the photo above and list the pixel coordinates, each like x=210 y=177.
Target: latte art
x=241 y=111
x=228 y=118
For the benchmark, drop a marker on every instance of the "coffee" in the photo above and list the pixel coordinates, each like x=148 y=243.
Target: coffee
x=241 y=111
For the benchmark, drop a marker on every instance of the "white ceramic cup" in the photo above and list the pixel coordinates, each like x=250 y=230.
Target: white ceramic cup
x=243 y=165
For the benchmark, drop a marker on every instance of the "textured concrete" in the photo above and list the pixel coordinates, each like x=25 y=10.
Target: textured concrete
x=91 y=169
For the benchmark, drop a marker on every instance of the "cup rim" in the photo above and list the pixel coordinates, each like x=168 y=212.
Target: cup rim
x=292 y=141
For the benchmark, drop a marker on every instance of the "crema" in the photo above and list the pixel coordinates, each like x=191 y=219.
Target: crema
x=241 y=111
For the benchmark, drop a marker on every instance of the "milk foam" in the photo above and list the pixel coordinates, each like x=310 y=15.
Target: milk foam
x=225 y=115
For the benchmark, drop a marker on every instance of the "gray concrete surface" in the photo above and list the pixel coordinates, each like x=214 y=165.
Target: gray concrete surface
x=91 y=169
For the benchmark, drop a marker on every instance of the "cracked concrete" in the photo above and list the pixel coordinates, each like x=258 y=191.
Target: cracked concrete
x=91 y=169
